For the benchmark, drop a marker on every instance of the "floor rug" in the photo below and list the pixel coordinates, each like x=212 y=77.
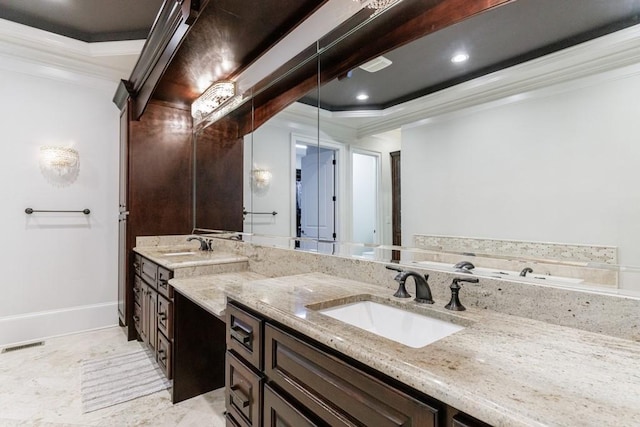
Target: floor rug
x=115 y=379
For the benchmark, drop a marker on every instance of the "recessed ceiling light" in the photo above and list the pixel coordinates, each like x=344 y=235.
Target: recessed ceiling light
x=362 y=97
x=459 y=57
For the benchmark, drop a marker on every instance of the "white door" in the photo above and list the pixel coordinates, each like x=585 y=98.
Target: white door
x=365 y=197
x=318 y=204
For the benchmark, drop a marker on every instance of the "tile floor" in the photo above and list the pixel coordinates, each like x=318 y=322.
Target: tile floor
x=40 y=386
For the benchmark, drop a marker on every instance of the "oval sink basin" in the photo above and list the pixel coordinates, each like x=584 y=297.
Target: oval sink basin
x=405 y=327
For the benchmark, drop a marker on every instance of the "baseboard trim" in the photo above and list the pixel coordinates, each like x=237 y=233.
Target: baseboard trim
x=25 y=328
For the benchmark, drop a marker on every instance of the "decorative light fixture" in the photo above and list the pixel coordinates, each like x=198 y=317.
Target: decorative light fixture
x=212 y=98
x=377 y=4
x=260 y=179
x=61 y=160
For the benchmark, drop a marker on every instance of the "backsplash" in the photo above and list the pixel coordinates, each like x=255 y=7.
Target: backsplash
x=609 y=314
x=539 y=250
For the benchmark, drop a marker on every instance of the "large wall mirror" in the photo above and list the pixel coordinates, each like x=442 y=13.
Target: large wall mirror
x=531 y=167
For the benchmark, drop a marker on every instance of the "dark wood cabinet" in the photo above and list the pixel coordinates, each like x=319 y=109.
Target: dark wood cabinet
x=299 y=382
x=278 y=412
x=153 y=310
x=336 y=392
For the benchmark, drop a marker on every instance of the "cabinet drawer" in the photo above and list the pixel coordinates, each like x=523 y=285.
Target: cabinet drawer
x=279 y=412
x=137 y=289
x=149 y=272
x=337 y=393
x=137 y=317
x=230 y=422
x=165 y=316
x=164 y=355
x=244 y=335
x=163 y=282
x=464 y=420
x=243 y=392
x=137 y=264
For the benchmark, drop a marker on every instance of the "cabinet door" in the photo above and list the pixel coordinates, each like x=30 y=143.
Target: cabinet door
x=336 y=392
x=144 y=306
x=280 y=413
x=152 y=317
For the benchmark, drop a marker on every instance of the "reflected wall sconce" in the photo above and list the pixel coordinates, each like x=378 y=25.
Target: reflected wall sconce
x=60 y=165
x=212 y=98
x=260 y=180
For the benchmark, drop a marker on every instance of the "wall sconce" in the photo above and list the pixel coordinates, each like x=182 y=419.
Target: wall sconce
x=60 y=165
x=217 y=94
x=260 y=180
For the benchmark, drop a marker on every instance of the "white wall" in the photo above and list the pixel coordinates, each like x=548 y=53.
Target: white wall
x=557 y=168
x=270 y=148
x=59 y=270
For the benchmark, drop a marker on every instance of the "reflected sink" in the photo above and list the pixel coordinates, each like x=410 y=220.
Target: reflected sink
x=405 y=327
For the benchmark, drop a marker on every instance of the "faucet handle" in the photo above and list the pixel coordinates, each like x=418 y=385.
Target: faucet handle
x=457 y=280
x=400 y=278
x=454 y=303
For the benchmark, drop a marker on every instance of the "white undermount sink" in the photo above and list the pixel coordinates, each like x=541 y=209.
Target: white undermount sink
x=405 y=327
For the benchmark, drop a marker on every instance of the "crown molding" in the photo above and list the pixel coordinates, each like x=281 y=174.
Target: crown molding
x=610 y=57
x=62 y=58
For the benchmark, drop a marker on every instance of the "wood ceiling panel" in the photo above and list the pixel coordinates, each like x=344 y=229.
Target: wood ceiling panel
x=227 y=37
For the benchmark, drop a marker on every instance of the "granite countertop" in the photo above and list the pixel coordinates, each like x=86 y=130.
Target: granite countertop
x=210 y=291
x=505 y=370
x=183 y=256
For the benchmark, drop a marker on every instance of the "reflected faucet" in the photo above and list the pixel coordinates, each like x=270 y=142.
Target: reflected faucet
x=423 y=291
x=526 y=270
x=205 y=245
x=464 y=267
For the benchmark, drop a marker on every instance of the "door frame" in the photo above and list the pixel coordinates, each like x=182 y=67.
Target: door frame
x=341 y=172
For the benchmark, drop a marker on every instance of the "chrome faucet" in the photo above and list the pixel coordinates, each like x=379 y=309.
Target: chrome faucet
x=464 y=267
x=423 y=291
x=205 y=244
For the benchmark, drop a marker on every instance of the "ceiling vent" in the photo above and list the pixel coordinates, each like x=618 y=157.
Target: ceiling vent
x=376 y=64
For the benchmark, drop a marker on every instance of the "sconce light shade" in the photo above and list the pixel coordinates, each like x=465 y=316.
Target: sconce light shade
x=260 y=180
x=60 y=165
x=217 y=94
x=377 y=4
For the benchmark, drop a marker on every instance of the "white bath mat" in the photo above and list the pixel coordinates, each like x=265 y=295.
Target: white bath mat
x=115 y=379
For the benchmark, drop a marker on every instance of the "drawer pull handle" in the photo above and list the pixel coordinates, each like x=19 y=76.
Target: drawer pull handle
x=136 y=265
x=161 y=355
x=240 y=335
x=163 y=282
x=136 y=290
x=238 y=396
x=136 y=318
x=162 y=316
